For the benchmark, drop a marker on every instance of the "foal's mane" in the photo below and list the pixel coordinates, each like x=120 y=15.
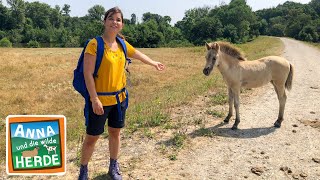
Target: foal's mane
x=231 y=50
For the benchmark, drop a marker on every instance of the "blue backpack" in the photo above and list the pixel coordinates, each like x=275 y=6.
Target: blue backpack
x=79 y=82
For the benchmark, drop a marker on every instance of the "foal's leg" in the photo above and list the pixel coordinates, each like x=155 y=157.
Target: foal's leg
x=230 y=96
x=282 y=97
x=236 y=106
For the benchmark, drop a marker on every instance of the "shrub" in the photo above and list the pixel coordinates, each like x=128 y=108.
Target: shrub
x=5 y=42
x=33 y=44
x=73 y=42
x=179 y=43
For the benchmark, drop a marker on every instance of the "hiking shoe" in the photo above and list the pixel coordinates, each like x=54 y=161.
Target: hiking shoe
x=114 y=170
x=83 y=173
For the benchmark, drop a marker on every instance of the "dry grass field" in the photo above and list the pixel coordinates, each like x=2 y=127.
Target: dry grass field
x=39 y=82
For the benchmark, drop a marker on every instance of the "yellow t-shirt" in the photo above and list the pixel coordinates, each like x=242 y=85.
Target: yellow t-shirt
x=111 y=75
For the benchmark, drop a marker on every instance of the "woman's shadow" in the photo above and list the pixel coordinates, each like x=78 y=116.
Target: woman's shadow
x=102 y=177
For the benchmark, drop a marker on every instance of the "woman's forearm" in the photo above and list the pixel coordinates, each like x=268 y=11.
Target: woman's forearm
x=143 y=58
x=88 y=69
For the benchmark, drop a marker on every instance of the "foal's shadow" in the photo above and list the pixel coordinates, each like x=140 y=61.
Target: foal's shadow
x=219 y=130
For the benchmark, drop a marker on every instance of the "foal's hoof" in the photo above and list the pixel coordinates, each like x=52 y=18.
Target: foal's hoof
x=277 y=124
x=234 y=128
x=226 y=120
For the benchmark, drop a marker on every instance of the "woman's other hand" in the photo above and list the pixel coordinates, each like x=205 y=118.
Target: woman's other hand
x=97 y=106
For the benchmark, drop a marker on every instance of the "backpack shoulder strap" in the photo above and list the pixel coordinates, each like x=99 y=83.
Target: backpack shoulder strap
x=100 y=50
x=124 y=47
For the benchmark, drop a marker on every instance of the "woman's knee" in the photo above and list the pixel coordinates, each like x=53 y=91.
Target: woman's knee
x=114 y=132
x=90 y=140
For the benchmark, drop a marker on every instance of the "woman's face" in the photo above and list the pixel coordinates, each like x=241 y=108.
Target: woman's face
x=113 y=23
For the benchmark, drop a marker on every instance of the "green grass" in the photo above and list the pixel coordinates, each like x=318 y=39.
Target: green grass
x=179 y=139
x=317 y=45
x=204 y=132
x=219 y=98
x=155 y=112
x=172 y=157
x=215 y=113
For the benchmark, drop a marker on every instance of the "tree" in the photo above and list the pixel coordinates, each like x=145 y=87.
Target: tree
x=25 y=21
x=40 y=14
x=149 y=36
x=66 y=10
x=90 y=29
x=263 y=27
x=126 y=21
x=315 y=4
x=186 y=25
x=293 y=29
x=14 y=35
x=167 y=19
x=205 y=30
x=289 y=19
x=309 y=33
x=230 y=33
x=96 y=12
x=17 y=13
x=2 y=34
x=4 y=16
x=277 y=30
x=197 y=13
x=56 y=17
x=131 y=33
x=149 y=16
x=28 y=31
x=240 y=15
x=133 y=19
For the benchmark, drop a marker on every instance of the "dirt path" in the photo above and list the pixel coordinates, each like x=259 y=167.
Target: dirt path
x=257 y=145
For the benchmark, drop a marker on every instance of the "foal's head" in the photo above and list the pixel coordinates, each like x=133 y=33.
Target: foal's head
x=211 y=57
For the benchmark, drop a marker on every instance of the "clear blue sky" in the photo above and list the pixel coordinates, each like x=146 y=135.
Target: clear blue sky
x=173 y=8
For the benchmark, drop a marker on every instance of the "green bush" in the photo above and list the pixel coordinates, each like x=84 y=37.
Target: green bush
x=73 y=42
x=178 y=43
x=33 y=44
x=5 y=42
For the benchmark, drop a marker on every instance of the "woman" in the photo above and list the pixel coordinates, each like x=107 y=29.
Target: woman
x=111 y=78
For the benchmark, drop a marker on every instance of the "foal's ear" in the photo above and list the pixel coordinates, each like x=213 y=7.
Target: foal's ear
x=215 y=46
x=208 y=46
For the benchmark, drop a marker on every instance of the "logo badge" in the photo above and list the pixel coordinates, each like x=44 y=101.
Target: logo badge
x=36 y=145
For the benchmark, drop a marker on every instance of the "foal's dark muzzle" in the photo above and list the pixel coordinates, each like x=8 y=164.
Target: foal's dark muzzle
x=206 y=71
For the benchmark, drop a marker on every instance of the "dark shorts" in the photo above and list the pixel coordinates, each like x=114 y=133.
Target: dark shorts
x=96 y=122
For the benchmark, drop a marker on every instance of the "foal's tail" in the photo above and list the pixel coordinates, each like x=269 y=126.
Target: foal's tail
x=288 y=84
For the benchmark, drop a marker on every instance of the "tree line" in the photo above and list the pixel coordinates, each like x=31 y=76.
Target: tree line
x=35 y=24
